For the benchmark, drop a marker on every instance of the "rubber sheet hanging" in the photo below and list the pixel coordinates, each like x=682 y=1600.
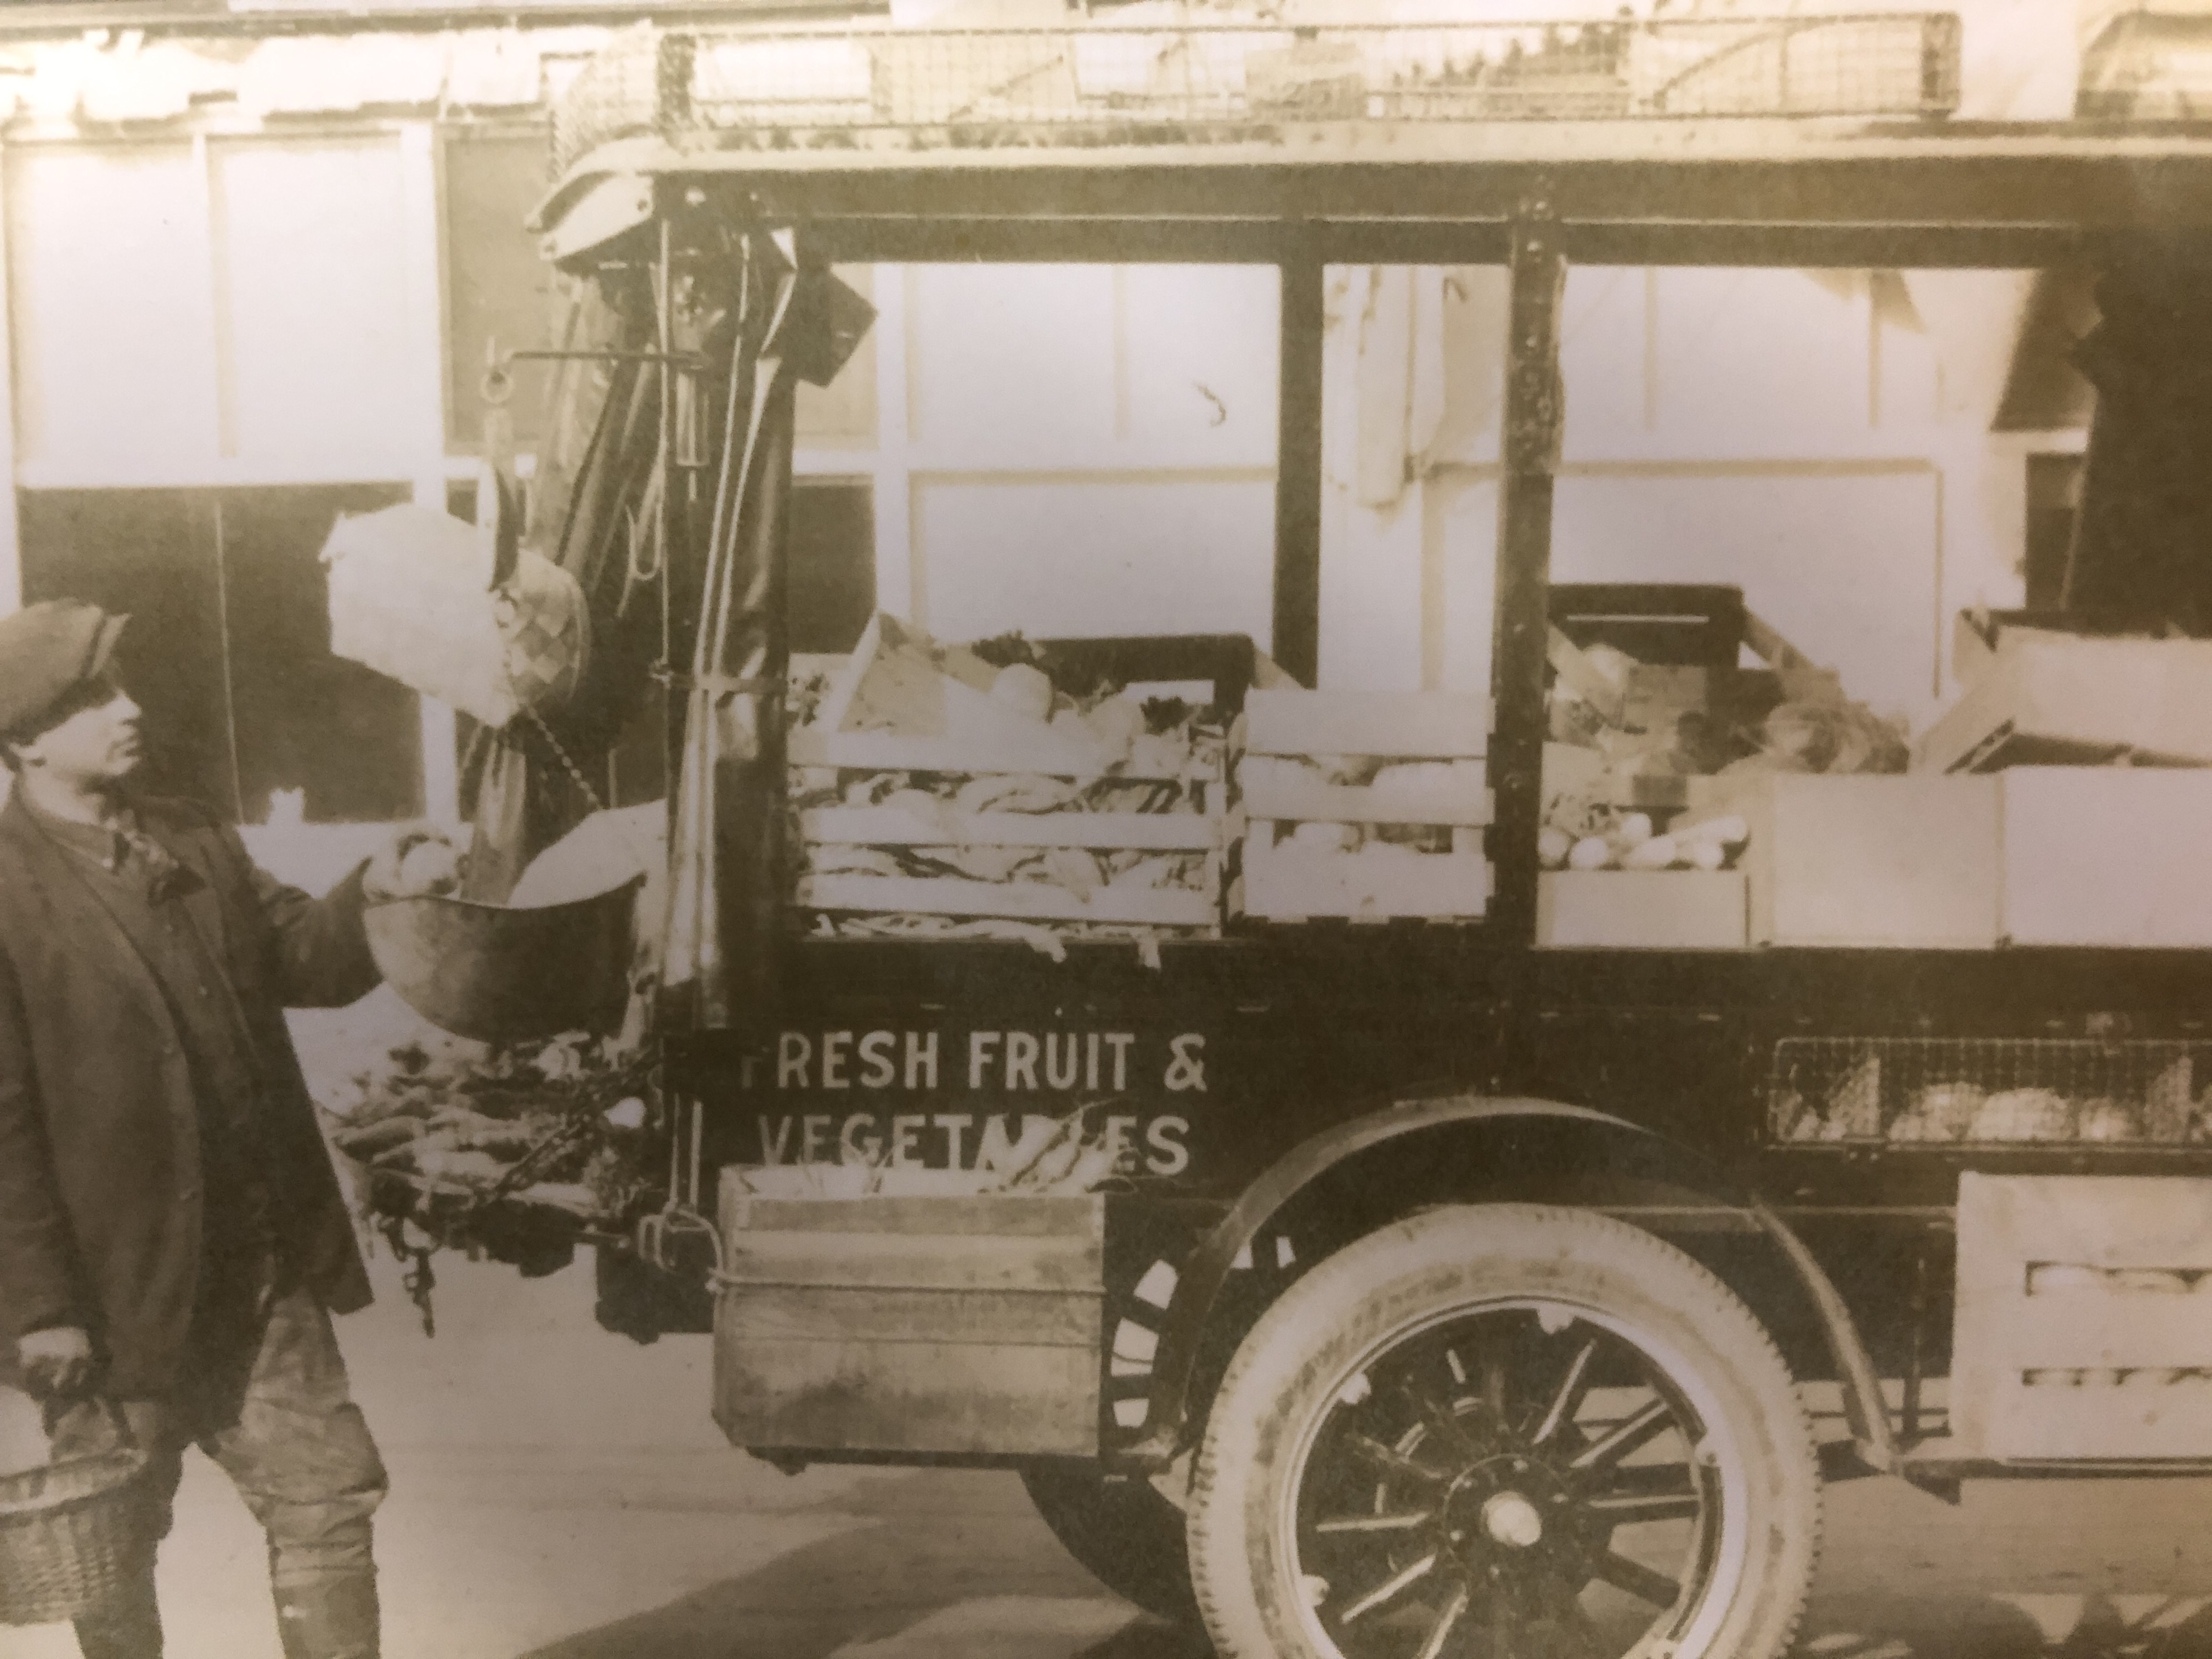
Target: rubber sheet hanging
x=795 y=322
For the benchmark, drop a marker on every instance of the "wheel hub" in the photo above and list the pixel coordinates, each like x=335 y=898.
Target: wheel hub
x=1512 y=1520
x=1506 y=1511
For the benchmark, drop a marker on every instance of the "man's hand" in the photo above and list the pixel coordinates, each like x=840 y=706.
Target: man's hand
x=57 y=1363
x=418 y=859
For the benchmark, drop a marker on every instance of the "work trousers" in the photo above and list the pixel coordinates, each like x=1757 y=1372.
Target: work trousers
x=276 y=1414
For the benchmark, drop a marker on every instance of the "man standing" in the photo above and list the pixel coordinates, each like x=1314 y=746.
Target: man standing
x=173 y=1237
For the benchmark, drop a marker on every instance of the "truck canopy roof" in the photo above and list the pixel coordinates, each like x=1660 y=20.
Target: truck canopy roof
x=1805 y=141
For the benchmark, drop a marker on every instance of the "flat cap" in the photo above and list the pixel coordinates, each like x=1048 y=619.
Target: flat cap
x=46 y=651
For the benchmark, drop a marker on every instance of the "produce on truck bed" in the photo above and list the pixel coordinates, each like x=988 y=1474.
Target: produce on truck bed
x=947 y=792
x=1990 y=1093
x=1631 y=773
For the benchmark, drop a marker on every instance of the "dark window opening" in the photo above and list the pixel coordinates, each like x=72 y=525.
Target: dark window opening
x=833 y=563
x=2054 y=502
x=229 y=649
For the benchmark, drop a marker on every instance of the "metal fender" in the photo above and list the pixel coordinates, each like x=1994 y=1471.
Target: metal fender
x=1425 y=1143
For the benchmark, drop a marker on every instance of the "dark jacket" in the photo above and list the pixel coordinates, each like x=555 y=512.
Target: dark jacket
x=101 y=1188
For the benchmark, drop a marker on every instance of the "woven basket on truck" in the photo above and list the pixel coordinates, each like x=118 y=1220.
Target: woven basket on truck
x=72 y=1533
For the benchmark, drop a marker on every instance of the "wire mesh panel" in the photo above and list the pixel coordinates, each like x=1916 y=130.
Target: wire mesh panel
x=1988 y=1091
x=1183 y=84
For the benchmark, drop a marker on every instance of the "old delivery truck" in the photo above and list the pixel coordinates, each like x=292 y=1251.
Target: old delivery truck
x=1395 y=1166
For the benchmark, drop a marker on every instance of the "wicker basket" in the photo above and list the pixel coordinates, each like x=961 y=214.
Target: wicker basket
x=72 y=1533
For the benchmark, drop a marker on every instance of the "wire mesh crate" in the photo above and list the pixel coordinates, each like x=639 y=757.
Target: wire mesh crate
x=1939 y=1091
x=791 y=86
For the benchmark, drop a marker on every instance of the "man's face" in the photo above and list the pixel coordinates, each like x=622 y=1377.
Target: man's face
x=93 y=739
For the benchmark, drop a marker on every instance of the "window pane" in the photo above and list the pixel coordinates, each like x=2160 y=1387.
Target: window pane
x=1097 y=557
x=113 y=309
x=497 y=288
x=842 y=415
x=1013 y=364
x=1844 y=566
x=323 y=359
x=201 y=569
x=1412 y=390
x=349 y=736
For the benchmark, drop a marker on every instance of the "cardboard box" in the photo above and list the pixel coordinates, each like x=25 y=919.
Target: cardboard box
x=1911 y=862
x=1641 y=909
x=2109 y=855
x=2046 y=701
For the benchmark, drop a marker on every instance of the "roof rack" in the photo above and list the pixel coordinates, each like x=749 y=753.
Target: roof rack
x=872 y=86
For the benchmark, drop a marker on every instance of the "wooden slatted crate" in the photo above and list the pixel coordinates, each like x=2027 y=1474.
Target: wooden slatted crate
x=2047 y=699
x=907 y=705
x=947 y=1325
x=1281 y=880
x=1132 y=901
x=2084 y=1319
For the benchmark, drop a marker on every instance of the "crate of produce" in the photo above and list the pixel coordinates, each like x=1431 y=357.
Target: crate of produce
x=933 y=787
x=2107 y=855
x=914 y=1324
x=1650 y=681
x=2047 y=699
x=1939 y=1093
x=2083 y=1327
x=1910 y=862
x=1027 y=849
x=1641 y=909
x=1367 y=806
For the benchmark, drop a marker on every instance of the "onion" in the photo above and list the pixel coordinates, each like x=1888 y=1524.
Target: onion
x=1590 y=852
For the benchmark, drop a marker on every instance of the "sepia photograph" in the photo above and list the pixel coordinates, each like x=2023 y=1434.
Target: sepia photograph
x=1106 y=830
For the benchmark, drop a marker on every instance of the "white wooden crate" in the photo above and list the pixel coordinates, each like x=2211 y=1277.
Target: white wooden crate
x=2080 y=1298
x=1900 y=862
x=1646 y=910
x=2107 y=855
x=1447 y=734
x=1284 y=882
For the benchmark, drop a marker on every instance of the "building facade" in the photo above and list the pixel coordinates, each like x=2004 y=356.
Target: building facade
x=255 y=265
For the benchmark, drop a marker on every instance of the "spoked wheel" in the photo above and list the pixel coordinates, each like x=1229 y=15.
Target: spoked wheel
x=1509 y=1432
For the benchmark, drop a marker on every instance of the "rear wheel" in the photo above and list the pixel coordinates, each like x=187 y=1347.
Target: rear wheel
x=1505 y=1430
x=1127 y=1533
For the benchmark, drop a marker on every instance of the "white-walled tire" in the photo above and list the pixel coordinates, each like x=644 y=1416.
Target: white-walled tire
x=1507 y=1429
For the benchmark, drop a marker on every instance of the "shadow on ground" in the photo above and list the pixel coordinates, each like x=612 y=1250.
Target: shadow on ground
x=923 y=1582
x=929 y=1579
x=2002 y=1626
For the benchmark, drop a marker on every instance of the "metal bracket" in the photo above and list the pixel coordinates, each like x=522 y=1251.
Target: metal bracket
x=498 y=383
